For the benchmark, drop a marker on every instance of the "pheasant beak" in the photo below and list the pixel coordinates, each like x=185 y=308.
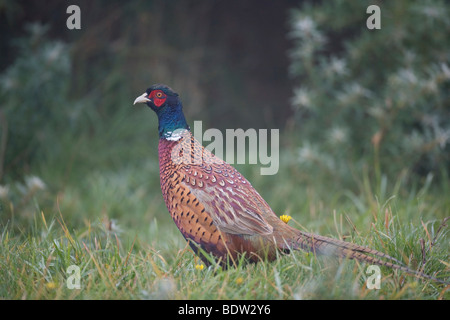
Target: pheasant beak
x=142 y=99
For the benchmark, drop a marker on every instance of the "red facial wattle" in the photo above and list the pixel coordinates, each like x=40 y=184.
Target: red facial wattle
x=158 y=97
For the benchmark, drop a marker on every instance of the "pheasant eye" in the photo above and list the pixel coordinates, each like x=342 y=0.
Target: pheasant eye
x=159 y=98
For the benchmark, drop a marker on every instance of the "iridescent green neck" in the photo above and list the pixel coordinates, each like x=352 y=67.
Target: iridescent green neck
x=171 y=120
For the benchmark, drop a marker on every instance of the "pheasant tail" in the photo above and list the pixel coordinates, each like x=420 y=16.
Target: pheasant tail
x=328 y=246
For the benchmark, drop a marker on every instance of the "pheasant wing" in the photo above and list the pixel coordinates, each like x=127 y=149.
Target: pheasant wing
x=231 y=201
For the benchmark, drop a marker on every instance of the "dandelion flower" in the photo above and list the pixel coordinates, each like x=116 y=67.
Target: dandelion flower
x=199 y=267
x=239 y=280
x=285 y=218
x=50 y=285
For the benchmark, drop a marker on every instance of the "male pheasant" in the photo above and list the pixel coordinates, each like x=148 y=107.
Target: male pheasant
x=217 y=210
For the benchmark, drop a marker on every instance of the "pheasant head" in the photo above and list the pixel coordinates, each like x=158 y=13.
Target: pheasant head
x=167 y=105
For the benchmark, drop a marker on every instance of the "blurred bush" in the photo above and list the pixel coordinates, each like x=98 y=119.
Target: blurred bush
x=62 y=89
x=374 y=98
x=33 y=92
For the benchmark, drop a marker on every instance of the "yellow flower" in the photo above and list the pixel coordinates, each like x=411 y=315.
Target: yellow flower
x=50 y=285
x=199 y=267
x=285 y=218
x=239 y=280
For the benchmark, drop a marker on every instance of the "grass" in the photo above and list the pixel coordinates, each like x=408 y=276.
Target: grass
x=97 y=205
x=114 y=227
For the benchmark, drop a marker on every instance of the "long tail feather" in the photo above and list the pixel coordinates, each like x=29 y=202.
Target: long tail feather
x=328 y=246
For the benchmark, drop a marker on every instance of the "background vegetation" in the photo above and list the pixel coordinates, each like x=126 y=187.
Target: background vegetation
x=364 y=118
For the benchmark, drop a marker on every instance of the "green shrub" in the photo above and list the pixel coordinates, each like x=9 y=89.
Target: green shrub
x=33 y=93
x=372 y=97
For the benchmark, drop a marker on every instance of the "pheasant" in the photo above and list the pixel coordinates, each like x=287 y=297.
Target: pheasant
x=218 y=211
